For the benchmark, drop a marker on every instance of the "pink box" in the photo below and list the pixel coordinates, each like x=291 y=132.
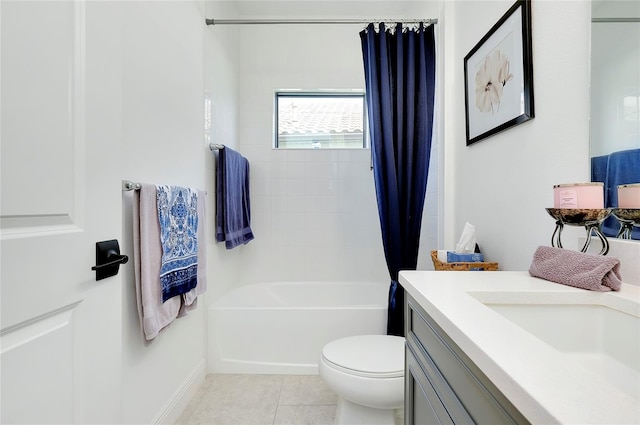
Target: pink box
x=629 y=196
x=579 y=195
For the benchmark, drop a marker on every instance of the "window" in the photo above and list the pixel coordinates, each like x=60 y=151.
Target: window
x=319 y=120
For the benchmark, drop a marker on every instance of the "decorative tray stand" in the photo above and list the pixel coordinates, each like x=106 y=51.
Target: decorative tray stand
x=590 y=219
x=628 y=217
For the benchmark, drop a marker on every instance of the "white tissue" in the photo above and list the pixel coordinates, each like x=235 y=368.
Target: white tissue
x=467 y=242
x=442 y=256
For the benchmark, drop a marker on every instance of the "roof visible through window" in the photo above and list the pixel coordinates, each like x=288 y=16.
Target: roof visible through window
x=320 y=120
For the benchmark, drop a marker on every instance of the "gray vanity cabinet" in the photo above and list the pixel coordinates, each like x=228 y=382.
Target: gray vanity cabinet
x=442 y=385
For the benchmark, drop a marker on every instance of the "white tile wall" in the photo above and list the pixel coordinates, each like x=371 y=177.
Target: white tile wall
x=314 y=215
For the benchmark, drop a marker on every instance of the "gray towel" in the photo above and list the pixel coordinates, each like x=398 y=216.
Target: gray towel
x=586 y=271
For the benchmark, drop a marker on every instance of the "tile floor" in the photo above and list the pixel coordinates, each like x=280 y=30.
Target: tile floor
x=261 y=400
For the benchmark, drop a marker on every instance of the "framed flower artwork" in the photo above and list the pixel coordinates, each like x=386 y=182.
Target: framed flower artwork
x=498 y=74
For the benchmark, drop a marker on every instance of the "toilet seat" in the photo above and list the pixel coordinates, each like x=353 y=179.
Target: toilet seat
x=370 y=356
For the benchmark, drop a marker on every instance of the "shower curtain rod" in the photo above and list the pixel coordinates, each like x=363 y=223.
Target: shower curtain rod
x=313 y=21
x=614 y=20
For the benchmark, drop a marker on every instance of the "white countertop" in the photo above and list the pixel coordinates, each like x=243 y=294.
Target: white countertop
x=547 y=385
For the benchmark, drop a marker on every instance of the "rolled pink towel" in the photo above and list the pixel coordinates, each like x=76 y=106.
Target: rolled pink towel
x=586 y=271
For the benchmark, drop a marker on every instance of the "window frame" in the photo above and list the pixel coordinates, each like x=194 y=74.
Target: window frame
x=346 y=93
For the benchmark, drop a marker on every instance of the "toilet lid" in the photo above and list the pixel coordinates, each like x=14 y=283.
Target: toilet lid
x=367 y=355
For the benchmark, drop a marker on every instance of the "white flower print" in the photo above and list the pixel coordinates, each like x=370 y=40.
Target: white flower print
x=491 y=78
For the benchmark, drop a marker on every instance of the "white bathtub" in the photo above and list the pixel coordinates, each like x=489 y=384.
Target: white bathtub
x=280 y=328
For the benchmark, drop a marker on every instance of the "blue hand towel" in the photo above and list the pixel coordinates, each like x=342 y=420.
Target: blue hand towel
x=233 y=207
x=623 y=168
x=178 y=217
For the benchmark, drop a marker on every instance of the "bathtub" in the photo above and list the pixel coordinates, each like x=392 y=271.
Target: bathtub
x=280 y=328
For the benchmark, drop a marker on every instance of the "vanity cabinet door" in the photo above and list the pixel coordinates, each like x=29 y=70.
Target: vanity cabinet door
x=465 y=392
x=422 y=405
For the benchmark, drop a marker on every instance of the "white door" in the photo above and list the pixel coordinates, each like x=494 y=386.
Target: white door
x=61 y=127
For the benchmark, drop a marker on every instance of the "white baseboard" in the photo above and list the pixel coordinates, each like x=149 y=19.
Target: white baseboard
x=181 y=397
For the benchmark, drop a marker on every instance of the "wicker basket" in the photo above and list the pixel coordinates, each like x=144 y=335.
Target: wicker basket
x=439 y=265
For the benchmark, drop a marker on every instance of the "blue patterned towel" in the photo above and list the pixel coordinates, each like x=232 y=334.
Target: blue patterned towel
x=178 y=216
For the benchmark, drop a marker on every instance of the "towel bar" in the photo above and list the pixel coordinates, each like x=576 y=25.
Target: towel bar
x=129 y=185
x=215 y=146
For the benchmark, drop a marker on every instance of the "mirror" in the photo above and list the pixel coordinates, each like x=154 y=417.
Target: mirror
x=615 y=89
x=615 y=76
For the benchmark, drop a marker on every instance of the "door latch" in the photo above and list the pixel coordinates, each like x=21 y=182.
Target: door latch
x=108 y=259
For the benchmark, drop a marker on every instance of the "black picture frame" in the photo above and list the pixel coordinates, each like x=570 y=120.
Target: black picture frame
x=498 y=76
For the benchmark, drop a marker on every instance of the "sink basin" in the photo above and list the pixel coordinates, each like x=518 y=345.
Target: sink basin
x=600 y=337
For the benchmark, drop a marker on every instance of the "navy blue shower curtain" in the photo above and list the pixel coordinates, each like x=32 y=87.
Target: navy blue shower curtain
x=400 y=83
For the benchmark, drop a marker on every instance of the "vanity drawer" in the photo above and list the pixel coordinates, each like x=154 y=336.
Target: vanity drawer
x=467 y=394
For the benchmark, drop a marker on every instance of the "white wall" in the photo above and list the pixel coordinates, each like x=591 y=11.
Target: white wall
x=503 y=184
x=162 y=114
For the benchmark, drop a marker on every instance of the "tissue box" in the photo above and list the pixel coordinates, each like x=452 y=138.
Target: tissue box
x=471 y=257
x=461 y=266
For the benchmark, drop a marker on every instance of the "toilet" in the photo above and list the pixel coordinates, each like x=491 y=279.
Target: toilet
x=367 y=374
